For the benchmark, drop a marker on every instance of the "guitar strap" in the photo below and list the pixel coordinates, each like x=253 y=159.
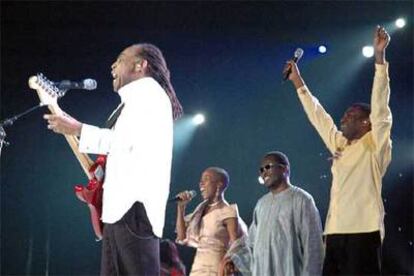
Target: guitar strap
x=114 y=116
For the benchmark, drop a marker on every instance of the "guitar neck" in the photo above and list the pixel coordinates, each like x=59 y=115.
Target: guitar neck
x=84 y=159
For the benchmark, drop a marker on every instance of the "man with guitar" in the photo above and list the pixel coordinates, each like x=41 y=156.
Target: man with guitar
x=139 y=155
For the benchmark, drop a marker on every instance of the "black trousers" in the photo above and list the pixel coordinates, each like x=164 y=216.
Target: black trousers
x=129 y=246
x=353 y=254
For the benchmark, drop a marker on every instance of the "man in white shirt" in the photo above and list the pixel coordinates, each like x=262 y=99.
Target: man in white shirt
x=139 y=155
x=361 y=153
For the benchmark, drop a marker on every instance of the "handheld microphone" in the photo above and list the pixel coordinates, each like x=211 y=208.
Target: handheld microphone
x=86 y=84
x=176 y=198
x=296 y=57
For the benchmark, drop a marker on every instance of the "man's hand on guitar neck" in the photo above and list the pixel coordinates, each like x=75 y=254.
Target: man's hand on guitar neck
x=63 y=124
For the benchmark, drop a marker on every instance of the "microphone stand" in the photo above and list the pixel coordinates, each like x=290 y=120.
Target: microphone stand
x=10 y=121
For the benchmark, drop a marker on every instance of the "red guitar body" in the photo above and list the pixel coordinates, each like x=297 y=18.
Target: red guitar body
x=92 y=194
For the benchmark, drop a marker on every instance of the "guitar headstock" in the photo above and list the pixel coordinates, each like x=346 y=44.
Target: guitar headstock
x=48 y=93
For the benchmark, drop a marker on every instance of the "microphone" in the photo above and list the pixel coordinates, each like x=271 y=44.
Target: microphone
x=176 y=198
x=296 y=57
x=86 y=84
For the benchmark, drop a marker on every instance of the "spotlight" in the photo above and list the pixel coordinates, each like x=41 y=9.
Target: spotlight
x=368 y=51
x=322 y=49
x=400 y=22
x=198 y=119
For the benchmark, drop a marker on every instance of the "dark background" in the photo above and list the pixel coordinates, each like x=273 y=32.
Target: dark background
x=225 y=59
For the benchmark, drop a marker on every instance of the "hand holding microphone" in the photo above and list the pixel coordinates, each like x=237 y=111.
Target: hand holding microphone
x=183 y=198
x=291 y=70
x=288 y=68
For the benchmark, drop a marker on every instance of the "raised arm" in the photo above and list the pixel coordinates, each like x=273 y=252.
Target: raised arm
x=380 y=117
x=317 y=115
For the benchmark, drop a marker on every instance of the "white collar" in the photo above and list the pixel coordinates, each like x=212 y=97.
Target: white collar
x=126 y=90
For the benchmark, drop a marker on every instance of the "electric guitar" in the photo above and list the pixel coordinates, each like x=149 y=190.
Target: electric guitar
x=91 y=194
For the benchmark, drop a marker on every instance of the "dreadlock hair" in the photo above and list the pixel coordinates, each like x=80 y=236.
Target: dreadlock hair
x=157 y=68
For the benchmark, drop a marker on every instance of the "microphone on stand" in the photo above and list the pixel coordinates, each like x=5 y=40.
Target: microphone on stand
x=296 y=57
x=86 y=84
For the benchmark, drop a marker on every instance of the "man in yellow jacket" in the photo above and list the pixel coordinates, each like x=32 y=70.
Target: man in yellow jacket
x=361 y=153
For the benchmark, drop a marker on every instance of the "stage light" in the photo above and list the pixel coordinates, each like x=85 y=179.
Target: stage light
x=198 y=119
x=322 y=49
x=368 y=51
x=400 y=22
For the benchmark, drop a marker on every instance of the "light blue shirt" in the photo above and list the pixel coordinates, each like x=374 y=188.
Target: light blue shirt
x=286 y=235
